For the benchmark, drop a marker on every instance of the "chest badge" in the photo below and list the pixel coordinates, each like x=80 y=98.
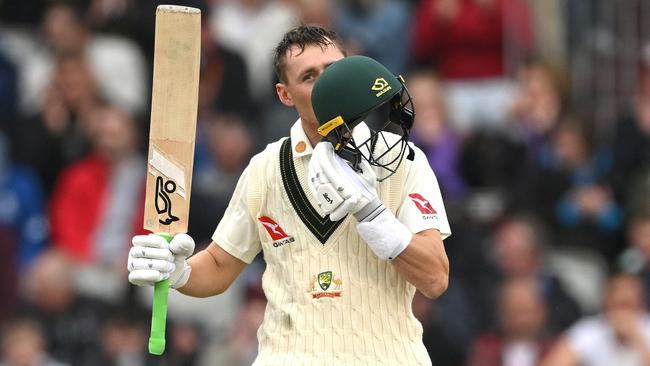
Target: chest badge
x=321 y=285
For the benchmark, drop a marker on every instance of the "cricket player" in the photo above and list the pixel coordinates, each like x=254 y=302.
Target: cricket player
x=350 y=220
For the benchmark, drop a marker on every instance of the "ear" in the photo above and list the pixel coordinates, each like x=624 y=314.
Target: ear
x=284 y=95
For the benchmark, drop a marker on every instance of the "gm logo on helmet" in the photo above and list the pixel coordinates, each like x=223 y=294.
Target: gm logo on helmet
x=381 y=85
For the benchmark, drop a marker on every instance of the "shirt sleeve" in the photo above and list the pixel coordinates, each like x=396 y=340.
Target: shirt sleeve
x=237 y=232
x=423 y=208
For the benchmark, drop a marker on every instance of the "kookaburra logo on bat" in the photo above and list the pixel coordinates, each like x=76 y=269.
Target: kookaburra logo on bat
x=163 y=201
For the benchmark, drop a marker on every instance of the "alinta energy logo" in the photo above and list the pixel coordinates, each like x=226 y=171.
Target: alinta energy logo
x=325 y=284
x=428 y=212
x=381 y=86
x=276 y=233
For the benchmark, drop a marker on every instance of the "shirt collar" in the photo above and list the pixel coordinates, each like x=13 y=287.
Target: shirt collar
x=300 y=145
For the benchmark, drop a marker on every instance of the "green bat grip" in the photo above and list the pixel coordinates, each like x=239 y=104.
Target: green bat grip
x=159 y=312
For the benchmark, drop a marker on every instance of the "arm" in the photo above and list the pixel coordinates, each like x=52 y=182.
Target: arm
x=424 y=263
x=419 y=257
x=209 y=272
x=213 y=271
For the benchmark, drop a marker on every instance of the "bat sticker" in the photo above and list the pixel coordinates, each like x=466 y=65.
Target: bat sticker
x=163 y=202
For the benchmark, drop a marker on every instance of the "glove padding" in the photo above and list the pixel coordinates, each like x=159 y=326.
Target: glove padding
x=152 y=259
x=338 y=189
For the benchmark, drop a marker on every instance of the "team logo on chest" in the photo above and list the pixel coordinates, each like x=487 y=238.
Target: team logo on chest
x=428 y=212
x=276 y=233
x=321 y=285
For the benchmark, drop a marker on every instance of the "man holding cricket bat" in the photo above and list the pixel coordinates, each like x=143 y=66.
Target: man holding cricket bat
x=350 y=220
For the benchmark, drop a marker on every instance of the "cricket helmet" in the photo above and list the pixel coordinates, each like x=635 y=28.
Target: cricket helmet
x=346 y=93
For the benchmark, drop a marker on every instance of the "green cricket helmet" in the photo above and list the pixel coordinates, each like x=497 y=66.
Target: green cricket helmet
x=347 y=92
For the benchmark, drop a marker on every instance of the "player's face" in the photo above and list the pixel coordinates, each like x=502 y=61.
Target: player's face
x=301 y=70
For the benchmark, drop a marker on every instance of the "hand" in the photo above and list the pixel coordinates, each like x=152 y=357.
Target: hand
x=152 y=259
x=338 y=189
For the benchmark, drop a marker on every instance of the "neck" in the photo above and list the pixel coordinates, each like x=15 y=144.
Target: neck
x=311 y=130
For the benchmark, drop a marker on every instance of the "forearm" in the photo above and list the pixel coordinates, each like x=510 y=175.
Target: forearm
x=213 y=271
x=424 y=264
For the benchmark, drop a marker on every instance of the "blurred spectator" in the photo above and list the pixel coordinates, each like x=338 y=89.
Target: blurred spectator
x=223 y=84
x=636 y=258
x=8 y=88
x=97 y=204
x=183 y=346
x=21 y=207
x=521 y=339
x=542 y=98
x=251 y=28
x=23 y=227
x=490 y=163
x=441 y=334
x=315 y=12
x=620 y=335
x=375 y=28
x=432 y=134
x=224 y=147
x=469 y=42
x=23 y=345
x=59 y=134
x=632 y=150
x=518 y=251
x=242 y=343
x=568 y=187
x=114 y=16
x=70 y=322
x=124 y=340
x=116 y=63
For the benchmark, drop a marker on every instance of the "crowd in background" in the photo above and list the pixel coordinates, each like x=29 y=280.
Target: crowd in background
x=546 y=189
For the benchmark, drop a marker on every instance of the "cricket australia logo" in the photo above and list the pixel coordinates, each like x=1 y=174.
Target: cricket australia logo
x=428 y=212
x=276 y=233
x=324 y=281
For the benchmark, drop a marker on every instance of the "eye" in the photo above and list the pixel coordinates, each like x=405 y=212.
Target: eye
x=308 y=77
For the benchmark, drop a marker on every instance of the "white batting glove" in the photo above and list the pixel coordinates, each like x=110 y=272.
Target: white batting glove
x=338 y=189
x=152 y=259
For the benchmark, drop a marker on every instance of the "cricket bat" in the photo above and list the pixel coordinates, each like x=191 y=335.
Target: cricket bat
x=174 y=106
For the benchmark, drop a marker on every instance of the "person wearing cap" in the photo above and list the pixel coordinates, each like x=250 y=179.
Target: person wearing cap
x=349 y=218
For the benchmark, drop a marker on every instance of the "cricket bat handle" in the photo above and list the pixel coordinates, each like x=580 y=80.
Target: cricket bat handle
x=159 y=312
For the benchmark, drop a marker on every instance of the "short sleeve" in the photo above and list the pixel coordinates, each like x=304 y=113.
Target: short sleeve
x=237 y=231
x=422 y=207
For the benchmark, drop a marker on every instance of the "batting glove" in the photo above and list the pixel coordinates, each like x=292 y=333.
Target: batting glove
x=340 y=190
x=152 y=259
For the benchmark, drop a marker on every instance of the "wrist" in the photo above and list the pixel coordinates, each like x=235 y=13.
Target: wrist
x=370 y=211
x=386 y=236
x=181 y=276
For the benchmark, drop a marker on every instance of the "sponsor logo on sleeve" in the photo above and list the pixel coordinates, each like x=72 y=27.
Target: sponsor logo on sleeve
x=422 y=204
x=276 y=233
